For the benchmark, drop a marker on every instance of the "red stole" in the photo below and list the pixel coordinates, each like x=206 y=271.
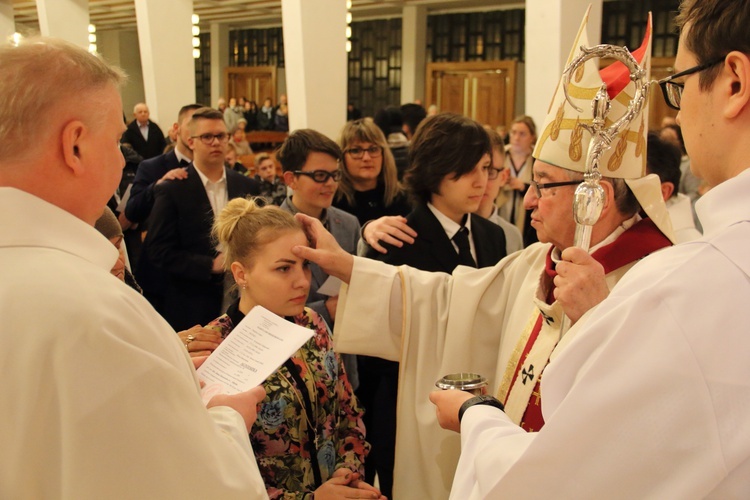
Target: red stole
x=642 y=239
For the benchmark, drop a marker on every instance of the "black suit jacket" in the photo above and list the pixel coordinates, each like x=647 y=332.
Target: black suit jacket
x=433 y=251
x=179 y=242
x=147 y=149
x=142 y=192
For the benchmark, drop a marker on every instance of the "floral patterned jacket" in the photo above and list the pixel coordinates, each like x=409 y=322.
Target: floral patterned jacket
x=280 y=435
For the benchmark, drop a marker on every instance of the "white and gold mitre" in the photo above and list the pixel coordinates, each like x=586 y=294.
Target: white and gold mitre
x=564 y=143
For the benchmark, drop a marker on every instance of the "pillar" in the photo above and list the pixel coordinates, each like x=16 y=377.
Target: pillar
x=315 y=60
x=219 y=61
x=413 y=53
x=551 y=27
x=165 y=40
x=66 y=19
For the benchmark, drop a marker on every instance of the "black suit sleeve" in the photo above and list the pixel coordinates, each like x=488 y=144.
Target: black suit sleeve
x=141 y=198
x=166 y=241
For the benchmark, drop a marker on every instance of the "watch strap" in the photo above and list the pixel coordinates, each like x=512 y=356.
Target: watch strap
x=484 y=399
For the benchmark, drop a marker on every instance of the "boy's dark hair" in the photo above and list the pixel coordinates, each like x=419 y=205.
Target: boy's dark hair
x=663 y=159
x=389 y=120
x=297 y=147
x=443 y=145
x=204 y=113
x=185 y=109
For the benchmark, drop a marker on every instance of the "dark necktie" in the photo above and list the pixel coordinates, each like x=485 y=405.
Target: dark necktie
x=461 y=238
x=184 y=163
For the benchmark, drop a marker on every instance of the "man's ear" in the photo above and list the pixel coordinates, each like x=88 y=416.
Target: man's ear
x=609 y=197
x=191 y=143
x=737 y=69
x=289 y=179
x=667 y=189
x=72 y=144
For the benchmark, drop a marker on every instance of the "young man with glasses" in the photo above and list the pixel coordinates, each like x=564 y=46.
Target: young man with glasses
x=311 y=166
x=504 y=322
x=179 y=237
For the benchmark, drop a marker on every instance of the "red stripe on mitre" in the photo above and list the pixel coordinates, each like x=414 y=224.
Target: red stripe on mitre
x=617 y=76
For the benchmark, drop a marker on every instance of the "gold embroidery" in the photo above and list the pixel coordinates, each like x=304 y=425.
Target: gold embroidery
x=575 y=151
x=641 y=144
x=555 y=130
x=615 y=161
x=579 y=73
x=515 y=358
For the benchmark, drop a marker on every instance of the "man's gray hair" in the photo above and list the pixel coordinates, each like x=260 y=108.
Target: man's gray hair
x=626 y=202
x=38 y=74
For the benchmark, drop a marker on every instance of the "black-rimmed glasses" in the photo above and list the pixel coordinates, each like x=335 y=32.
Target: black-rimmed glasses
x=673 y=90
x=493 y=173
x=358 y=153
x=538 y=187
x=320 y=176
x=208 y=139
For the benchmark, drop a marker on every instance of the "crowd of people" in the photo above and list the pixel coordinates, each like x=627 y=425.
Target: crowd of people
x=455 y=251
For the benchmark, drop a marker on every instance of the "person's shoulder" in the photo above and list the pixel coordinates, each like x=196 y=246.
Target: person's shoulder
x=339 y=216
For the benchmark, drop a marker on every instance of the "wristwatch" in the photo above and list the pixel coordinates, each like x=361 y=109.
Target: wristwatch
x=479 y=400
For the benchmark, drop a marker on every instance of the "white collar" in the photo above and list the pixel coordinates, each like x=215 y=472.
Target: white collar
x=724 y=204
x=206 y=181
x=624 y=226
x=182 y=157
x=449 y=226
x=33 y=222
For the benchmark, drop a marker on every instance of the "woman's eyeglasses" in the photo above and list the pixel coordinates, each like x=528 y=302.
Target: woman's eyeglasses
x=359 y=153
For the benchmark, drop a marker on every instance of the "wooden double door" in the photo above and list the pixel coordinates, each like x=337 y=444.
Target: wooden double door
x=254 y=83
x=484 y=91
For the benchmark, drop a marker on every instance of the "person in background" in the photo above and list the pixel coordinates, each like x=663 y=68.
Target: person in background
x=413 y=114
x=251 y=115
x=663 y=159
x=391 y=122
x=232 y=114
x=281 y=115
x=102 y=393
x=690 y=185
x=369 y=187
x=179 y=238
x=150 y=174
x=110 y=228
x=272 y=187
x=230 y=159
x=239 y=139
x=143 y=135
x=309 y=437
x=265 y=115
x=496 y=180
x=518 y=161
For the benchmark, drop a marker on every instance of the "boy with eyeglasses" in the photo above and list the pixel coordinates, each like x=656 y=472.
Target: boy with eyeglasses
x=179 y=237
x=311 y=166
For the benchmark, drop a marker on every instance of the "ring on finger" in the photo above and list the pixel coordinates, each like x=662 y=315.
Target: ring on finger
x=190 y=338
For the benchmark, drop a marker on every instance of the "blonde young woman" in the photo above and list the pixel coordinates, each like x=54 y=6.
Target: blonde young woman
x=309 y=439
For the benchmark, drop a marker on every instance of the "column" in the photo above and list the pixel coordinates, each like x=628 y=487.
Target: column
x=165 y=39
x=121 y=48
x=66 y=19
x=551 y=27
x=219 y=61
x=315 y=60
x=413 y=53
x=7 y=22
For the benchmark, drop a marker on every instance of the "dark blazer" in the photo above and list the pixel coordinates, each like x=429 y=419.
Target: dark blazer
x=148 y=149
x=179 y=242
x=142 y=193
x=433 y=251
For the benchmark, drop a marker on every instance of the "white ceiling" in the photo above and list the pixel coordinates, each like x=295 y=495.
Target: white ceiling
x=120 y=14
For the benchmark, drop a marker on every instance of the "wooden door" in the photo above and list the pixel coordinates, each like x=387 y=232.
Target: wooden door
x=255 y=83
x=484 y=91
